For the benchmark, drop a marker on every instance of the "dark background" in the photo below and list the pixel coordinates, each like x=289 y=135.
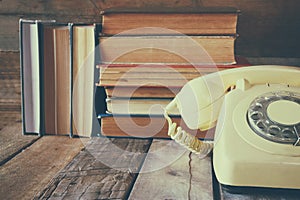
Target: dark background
x=267 y=28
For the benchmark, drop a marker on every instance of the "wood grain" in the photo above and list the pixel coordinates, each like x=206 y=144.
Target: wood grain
x=105 y=169
x=13 y=142
x=266 y=28
x=47 y=7
x=170 y=172
x=10 y=77
x=142 y=3
x=9 y=117
x=9 y=61
x=9 y=36
x=28 y=172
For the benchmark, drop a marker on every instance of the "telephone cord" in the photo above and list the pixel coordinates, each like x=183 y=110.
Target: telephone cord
x=187 y=140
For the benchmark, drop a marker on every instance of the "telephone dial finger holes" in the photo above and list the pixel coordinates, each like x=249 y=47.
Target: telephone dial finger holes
x=274 y=116
x=261 y=125
x=256 y=115
x=257 y=107
x=274 y=130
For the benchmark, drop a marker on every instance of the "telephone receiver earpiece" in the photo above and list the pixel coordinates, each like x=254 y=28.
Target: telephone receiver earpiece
x=200 y=100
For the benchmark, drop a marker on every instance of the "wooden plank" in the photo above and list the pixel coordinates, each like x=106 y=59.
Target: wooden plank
x=128 y=3
x=9 y=61
x=171 y=172
x=92 y=7
x=13 y=142
x=10 y=91
x=47 y=7
x=10 y=88
x=8 y=117
x=105 y=169
x=9 y=36
x=30 y=171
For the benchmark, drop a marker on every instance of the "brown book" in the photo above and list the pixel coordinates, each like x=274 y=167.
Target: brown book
x=144 y=127
x=139 y=92
x=127 y=73
x=83 y=82
x=62 y=80
x=194 y=50
x=155 y=75
x=191 y=21
x=54 y=63
x=49 y=80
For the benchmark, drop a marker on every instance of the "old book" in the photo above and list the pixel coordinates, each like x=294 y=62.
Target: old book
x=144 y=126
x=127 y=73
x=138 y=106
x=191 y=21
x=30 y=74
x=140 y=92
x=135 y=76
x=49 y=79
x=62 y=63
x=194 y=50
x=56 y=65
x=155 y=83
x=83 y=79
x=58 y=77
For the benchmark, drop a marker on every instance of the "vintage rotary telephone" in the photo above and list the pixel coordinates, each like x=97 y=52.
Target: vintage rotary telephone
x=257 y=111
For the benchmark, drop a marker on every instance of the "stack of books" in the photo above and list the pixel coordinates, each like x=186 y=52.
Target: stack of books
x=147 y=55
x=57 y=72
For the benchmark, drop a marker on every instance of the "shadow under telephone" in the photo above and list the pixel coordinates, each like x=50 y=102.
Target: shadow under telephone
x=257 y=138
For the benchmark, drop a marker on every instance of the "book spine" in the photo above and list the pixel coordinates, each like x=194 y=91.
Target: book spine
x=27 y=56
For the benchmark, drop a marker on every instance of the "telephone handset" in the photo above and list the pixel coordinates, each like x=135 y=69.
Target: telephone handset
x=257 y=112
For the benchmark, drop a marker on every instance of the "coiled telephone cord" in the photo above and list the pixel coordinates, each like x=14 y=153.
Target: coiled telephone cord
x=187 y=140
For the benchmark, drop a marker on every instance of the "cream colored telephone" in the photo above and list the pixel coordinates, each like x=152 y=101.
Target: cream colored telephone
x=257 y=113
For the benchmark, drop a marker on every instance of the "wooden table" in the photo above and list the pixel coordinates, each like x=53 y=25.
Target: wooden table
x=58 y=167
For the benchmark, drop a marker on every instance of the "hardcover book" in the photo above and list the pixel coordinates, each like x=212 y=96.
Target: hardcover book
x=183 y=50
x=138 y=106
x=149 y=75
x=57 y=64
x=144 y=126
x=189 y=20
x=129 y=110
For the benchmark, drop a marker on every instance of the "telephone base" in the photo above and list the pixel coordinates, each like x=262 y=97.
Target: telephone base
x=245 y=158
x=291 y=193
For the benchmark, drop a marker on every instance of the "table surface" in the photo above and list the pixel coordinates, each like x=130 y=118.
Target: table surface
x=59 y=167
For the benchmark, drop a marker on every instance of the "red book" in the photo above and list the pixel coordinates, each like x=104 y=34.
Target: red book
x=144 y=127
